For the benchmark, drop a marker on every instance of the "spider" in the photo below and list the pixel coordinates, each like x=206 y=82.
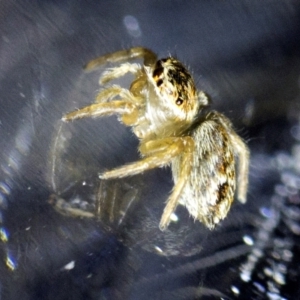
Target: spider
x=165 y=112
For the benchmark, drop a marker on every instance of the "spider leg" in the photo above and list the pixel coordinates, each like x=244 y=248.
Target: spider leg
x=110 y=92
x=175 y=196
x=120 y=71
x=160 y=152
x=157 y=160
x=122 y=56
x=103 y=109
x=243 y=167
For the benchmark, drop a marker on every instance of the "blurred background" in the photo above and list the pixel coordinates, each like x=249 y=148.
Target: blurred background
x=244 y=54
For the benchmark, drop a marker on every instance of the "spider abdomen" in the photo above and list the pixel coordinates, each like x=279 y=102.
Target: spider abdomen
x=210 y=186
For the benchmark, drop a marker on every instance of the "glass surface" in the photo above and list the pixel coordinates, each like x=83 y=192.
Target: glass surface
x=244 y=54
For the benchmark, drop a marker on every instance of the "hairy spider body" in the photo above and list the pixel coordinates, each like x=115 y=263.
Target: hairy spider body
x=163 y=107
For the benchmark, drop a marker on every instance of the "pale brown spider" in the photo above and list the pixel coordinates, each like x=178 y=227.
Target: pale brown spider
x=163 y=107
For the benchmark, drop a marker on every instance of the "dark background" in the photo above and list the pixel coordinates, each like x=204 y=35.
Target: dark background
x=244 y=54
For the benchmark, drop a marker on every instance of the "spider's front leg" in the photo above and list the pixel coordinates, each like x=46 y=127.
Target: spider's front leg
x=123 y=56
x=122 y=107
x=128 y=104
x=157 y=154
x=127 y=107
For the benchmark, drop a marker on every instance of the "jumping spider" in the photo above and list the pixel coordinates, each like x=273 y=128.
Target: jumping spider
x=163 y=107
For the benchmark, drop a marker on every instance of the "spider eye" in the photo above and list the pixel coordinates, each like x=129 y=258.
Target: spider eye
x=159 y=82
x=157 y=72
x=179 y=101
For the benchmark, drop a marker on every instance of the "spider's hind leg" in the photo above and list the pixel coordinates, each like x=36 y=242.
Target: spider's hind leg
x=243 y=154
